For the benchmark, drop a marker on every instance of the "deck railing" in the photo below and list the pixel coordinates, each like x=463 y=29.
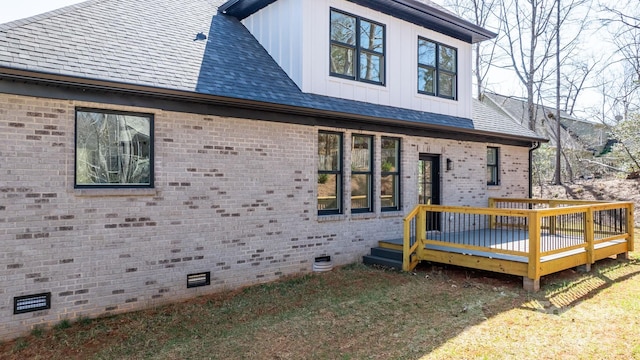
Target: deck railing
x=529 y=237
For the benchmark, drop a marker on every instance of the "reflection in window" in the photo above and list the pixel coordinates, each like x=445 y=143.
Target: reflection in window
x=492 y=166
x=329 y=173
x=361 y=173
x=113 y=149
x=357 y=43
x=437 y=69
x=390 y=174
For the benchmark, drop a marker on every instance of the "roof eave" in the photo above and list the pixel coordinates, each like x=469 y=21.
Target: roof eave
x=101 y=85
x=409 y=10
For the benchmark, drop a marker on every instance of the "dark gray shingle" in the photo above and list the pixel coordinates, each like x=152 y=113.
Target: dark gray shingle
x=151 y=43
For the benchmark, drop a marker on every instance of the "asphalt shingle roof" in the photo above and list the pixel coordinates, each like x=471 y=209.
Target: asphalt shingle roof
x=151 y=43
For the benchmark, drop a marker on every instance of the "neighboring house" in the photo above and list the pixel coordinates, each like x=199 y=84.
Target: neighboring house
x=155 y=150
x=577 y=134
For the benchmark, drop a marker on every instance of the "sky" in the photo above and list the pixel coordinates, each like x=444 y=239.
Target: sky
x=17 y=9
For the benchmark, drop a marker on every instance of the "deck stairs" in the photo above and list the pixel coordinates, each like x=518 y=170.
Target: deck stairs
x=388 y=253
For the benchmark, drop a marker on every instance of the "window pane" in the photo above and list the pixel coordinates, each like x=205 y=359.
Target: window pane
x=343 y=28
x=492 y=175
x=447 y=59
x=360 y=196
x=371 y=36
x=492 y=155
x=426 y=53
x=361 y=153
x=389 y=191
x=342 y=61
x=328 y=152
x=328 y=191
x=390 y=147
x=113 y=149
x=426 y=80
x=446 y=85
x=371 y=67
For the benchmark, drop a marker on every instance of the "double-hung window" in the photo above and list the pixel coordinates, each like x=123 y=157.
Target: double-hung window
x=437 y=69
x=390 y=174
x=357 y=48
x=113 y=149
x=361 y=173
x=493 y=161
x=329 y=173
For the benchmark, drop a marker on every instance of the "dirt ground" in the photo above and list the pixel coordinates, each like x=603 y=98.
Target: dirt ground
x=596 y=189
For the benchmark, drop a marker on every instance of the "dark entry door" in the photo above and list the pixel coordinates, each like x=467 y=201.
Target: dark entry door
x=429 y=186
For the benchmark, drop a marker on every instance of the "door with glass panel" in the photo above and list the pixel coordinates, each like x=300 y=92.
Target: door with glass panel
x=429 y=187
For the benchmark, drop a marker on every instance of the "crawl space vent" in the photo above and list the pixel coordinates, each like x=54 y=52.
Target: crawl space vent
x=29 y=303
x=200 y=279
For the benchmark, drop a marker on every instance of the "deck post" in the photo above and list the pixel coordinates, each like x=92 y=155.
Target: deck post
x=421 y=228
x=630 y=227
x=532 y=285
x=532 y=281
x=406 y=245
x=492 y=218
x=589 y=237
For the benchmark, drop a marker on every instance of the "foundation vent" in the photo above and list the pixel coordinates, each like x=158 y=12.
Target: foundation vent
x=29 y=303
x=200 y=279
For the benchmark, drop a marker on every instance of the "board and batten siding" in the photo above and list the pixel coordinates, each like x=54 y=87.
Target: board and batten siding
x=301 y=48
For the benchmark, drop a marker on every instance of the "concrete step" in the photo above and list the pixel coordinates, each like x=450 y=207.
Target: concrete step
x=377 y=260
x=387 y=253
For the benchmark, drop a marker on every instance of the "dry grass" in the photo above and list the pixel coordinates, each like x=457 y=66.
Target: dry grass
x=358 y=312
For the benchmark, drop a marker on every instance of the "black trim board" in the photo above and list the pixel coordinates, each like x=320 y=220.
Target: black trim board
x=409 y=10
x=218 y=108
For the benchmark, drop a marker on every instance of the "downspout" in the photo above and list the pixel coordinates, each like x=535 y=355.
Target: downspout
x=534 y=146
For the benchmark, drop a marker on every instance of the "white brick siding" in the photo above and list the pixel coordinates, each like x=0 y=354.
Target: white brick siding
x=232 y=196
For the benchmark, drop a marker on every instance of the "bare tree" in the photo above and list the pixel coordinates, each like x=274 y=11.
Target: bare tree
x=530 y=31
x=482 y=13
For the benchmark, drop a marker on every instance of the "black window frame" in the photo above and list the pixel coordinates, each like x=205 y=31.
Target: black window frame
x=369 y=172
x=437 y=70
x=396 y=173
x=358 y=50
x=495 y=167
x=339 y=176
x=151 y=183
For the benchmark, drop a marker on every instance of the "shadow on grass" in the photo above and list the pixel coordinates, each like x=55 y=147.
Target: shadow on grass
x=353 y=312
x=563 y=291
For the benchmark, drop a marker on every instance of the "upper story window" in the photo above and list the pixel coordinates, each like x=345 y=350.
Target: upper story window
x=437 y=69
x=113 y=149
x=492 y=166
x=357 y=48
x=329 y=173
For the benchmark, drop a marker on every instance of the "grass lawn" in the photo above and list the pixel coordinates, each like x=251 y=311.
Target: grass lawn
x=359 y=312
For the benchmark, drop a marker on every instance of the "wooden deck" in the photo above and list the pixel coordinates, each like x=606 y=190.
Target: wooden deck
x=530 y=241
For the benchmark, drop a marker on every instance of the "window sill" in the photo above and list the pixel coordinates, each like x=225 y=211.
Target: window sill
x=329 y=218
x=390 y=214
x=115 y=192
x=493 y=187
x=363 y=216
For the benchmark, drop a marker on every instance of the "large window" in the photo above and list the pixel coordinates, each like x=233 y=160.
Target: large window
x=390 y=174
x=329 y=173
x=492 y=166
x=113 y=149
x=361 y=173
x=437 y=69
x=357 y=48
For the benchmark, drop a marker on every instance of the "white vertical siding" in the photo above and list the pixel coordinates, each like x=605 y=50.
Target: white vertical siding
x=296 y=34
x=278 y=28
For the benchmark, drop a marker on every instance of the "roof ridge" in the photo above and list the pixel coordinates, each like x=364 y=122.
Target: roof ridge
x=46 y=15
